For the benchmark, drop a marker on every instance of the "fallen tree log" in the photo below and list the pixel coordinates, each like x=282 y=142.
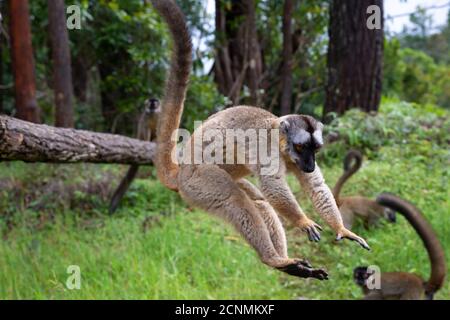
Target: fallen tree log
x=29 y=142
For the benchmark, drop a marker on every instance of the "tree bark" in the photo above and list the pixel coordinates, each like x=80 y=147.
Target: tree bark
x=25 y=141
x=62 y=69
x=4 y=44
x=230 y=57
x=286 y=73
x=1 y=68
x=238 y=58
x=355 y=56
x=222 y=67
x=1 y=56
x=23 y=62
x=80 y=77
x=254 y=54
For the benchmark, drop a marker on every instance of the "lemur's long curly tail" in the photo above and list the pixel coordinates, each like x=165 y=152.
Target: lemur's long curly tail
x=349 y=170
x=426 y=233
x=175 y=91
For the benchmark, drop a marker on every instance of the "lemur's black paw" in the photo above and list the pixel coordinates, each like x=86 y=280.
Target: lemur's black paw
x=320 y=274
x=303 y=269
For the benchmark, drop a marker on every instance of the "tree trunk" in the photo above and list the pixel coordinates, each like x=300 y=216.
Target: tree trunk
x=62 y=70
x=4 y=44
x=355 y=57
x=110 y=97
x=222 y=67
x=23 y=62
x=25 y=141
x=230 y=69
x=254 y=54
x=286 y=73
x=1 y=56
x=1 y=68
x=80 y=77
x=238 y=59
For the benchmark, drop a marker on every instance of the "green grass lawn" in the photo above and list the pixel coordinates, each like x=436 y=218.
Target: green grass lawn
x=184 y=254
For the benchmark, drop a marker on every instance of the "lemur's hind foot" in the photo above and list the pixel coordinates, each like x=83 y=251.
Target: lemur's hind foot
x=303 y=269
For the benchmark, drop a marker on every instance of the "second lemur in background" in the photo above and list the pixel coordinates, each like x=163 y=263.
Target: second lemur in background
x=146 y=130
x=357 y=206
x=405 y=285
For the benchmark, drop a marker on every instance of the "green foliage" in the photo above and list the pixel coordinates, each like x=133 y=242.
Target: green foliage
x=414 y=76
x=443 y=85
x=413 y=128
x=202 y=100
x=417 y=63
x=423 y=37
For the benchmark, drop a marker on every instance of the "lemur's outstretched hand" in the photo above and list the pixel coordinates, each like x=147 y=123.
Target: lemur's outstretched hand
x=311 y=228
x=347 y=234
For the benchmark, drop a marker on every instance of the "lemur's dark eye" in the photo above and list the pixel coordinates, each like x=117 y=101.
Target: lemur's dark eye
x=298 y=147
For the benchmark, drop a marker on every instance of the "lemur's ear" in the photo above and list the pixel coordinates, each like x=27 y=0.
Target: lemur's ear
x=318 y=138
x=317 y=134
x=319 y=125
x=284 y=126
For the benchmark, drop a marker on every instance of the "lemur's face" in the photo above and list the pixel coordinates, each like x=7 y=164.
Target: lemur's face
x=152 y=106
x=360 y=275
x=390 y=215
x=303 y=136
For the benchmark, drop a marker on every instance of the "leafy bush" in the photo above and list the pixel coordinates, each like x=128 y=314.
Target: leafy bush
x=416 y=130
x=414 y=76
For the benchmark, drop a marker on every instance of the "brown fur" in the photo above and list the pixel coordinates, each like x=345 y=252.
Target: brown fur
x=404 y=285
x=360 y=207
x=220 y=188
x=175 y=92
x=397 y=286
